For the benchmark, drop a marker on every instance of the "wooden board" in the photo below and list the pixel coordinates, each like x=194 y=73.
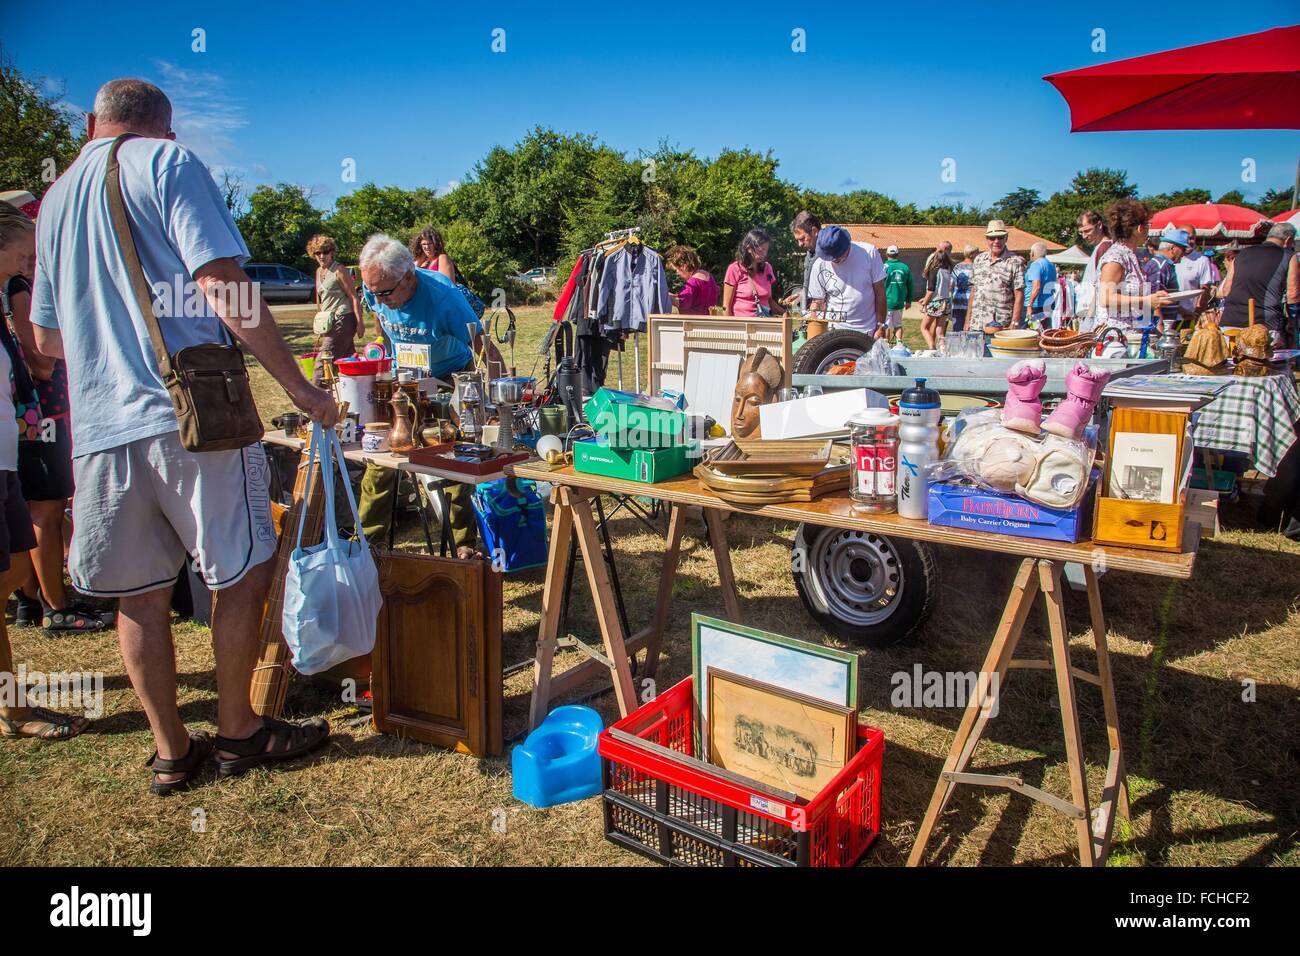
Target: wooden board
x=270 y=676
x=437 y=658
x=836 y=510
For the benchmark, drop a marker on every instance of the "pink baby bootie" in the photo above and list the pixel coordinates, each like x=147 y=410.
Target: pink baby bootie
x=1083 y=385
x=1023 y=411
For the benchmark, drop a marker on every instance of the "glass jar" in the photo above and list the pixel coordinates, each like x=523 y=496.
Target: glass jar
x=873 y=434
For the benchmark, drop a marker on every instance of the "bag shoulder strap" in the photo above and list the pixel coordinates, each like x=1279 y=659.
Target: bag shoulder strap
x=135 y=271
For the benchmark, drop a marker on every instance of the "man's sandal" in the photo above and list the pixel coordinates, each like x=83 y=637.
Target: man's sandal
x=288 y=739
x=57 y=726
x=188 y=766
x=74 y=617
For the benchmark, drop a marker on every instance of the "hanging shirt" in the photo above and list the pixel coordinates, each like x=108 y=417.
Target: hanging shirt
x=633 y=284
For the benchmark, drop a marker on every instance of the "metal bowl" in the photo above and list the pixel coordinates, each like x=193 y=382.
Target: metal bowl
x=509 y=391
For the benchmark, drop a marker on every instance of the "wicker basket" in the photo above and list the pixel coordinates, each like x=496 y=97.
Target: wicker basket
x=1067 y=343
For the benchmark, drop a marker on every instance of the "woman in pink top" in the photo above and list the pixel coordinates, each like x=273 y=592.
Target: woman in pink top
x=430 y=253
x=700 y=292
x=747 y=286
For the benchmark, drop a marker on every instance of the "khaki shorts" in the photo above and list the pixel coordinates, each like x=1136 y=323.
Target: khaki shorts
x=143 y=507
x=894 y=319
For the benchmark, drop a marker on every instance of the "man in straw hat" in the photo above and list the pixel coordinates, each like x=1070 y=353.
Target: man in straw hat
x=998 y=280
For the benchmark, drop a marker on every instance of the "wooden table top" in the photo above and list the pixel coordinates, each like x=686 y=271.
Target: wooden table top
x=835 y=510
x=385 y=459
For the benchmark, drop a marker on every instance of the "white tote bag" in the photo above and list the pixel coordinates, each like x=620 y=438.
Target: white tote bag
x=331 y=592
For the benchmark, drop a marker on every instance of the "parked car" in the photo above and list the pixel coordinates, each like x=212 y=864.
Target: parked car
x=281 y=283
x=542 y=275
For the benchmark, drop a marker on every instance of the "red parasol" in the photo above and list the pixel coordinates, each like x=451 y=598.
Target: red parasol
x=1247 y=82
x=1213 y=219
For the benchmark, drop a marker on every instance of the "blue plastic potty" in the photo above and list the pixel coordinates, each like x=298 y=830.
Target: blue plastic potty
x=558 y=763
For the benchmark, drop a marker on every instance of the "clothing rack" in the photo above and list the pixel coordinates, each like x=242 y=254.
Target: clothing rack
x=594 y=338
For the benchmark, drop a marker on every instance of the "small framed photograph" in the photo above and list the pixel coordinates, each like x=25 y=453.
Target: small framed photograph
x=776 y=737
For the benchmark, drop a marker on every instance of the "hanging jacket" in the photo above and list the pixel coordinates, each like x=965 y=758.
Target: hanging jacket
x=633 y=285
x=562 y=303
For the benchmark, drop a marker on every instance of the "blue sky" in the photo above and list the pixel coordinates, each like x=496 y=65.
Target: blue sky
x=881 y=97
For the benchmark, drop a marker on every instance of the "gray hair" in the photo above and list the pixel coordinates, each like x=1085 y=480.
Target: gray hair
x=1038 y=250
x=135 y=104
x=13 y=223
x=388 y=255
x=1169 y=245
x=1282 y=230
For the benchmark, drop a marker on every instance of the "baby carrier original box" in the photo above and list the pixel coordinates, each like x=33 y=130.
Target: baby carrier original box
x=955 y=505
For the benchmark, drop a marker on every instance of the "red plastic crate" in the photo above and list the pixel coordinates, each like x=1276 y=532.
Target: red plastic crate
x=688 y=815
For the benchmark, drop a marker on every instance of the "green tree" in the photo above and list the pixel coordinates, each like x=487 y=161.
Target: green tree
x=1274 y=202
x=480 y=263
x=371 y=209
x=1233 y=197
x=1017 y=206
x=39 y=137
x=521 y=193
x=1180 y=197
x=956 y=215
x=279 y=221
x=1057 y=218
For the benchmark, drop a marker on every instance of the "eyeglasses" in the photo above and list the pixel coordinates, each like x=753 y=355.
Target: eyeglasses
x=385 y=293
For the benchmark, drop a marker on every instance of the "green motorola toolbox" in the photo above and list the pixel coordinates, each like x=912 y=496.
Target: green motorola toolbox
x=630 y=420
x=648 y=465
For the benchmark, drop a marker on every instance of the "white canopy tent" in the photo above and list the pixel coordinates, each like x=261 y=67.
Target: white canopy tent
x=1074 y=256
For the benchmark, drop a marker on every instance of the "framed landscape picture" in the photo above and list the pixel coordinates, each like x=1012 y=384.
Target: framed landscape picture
x=776 y=737
x=821 y=673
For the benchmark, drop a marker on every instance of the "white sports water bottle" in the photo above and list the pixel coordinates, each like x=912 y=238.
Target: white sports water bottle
x=918 y=445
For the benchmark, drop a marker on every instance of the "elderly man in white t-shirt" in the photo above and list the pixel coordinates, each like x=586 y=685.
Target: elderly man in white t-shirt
x=1194 y=272
x=848 y=282
x=145 y=505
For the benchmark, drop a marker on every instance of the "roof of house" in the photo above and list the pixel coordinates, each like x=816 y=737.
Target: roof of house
x=882 y=235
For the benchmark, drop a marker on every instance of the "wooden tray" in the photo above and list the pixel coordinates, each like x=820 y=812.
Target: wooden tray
x=770 y=491
x=787 y=459
x=440 y=456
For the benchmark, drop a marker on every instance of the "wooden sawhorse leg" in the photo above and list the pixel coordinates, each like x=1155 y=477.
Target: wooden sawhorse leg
x=573 y=511
x=1093 y=832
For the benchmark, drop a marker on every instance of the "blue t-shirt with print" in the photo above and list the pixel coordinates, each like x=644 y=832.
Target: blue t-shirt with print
x=437 y=315
x=1045 y=273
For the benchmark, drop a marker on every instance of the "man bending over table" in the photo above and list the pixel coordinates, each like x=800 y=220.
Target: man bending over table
x=417 y=307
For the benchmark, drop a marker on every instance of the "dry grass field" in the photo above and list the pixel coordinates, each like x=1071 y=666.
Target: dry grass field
x=1213 y=776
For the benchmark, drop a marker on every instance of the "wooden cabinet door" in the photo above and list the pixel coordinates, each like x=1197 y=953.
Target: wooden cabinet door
x=437 y=660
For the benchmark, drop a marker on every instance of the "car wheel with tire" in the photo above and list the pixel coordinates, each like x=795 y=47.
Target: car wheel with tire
x=867 y=588
x=820 y=354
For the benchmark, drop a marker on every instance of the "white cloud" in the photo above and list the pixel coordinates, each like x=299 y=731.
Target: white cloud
x=204 y=115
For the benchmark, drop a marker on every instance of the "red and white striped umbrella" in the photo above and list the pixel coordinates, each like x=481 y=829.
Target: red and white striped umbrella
x=1213 y=220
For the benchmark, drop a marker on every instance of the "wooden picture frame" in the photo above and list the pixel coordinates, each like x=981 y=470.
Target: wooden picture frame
x=823 y=673
x=776 y=737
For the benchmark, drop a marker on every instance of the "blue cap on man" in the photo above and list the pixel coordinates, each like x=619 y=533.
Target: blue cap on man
x=1176 y=236
x=833 y=242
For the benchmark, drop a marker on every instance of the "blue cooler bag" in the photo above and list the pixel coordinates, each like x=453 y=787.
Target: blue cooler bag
x=513 y=528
